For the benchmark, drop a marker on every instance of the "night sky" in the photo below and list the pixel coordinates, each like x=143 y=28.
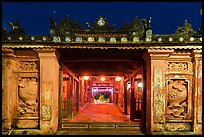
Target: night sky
x=166 y=16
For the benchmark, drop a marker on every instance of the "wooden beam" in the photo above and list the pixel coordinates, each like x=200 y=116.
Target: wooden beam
x=64 y=68
x=95 y=60
x=140 y=68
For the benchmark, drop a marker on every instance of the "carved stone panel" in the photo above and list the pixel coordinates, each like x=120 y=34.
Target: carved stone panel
x=177 y=93
x=177 y=66
x=27 y=66
x=28 y=102
x=158 y=96
x=179 y=127
x=46 y=113
x=179 y=97
x=28 y=96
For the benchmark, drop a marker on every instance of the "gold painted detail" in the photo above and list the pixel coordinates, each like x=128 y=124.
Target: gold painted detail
x=177 y=66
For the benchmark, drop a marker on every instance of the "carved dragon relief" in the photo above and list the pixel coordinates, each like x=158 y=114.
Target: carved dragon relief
x=177 y=96
x=28 y=96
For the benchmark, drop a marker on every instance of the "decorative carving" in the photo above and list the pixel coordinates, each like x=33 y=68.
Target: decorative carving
x=46 y=113
x=158 y=96
x=185 y=30
x=147 y=25
x=3 y=33
x=177 y=93
x=179 y=127
x=100 y=24
x=16 y=31
x=27 y=65
x=138 y=27
x=177 y=66
x=28 y=94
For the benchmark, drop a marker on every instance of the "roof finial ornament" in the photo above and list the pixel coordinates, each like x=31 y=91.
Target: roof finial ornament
x=89 y=25
x=3 y=29
x=52 y=23
x=149 y=23
x=201 y=12
x=144 y=22
x=13 y=25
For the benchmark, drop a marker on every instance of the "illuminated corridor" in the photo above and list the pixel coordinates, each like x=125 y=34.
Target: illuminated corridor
x=101 y=112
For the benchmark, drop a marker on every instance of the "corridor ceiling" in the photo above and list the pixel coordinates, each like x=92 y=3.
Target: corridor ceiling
x=96 y=62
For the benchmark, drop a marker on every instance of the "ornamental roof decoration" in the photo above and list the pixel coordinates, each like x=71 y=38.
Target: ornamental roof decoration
x=139 y=31
x=186 y=29
x=16 y=33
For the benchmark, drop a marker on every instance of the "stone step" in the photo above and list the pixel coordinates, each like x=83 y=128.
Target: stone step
x=106 y=132
x=98 y=126
x=5 y=132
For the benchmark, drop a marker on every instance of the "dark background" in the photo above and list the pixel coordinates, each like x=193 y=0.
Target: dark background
x=166 y=16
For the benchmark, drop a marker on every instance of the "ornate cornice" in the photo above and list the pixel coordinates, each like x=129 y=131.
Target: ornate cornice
x=139 y=31
x=104 y=46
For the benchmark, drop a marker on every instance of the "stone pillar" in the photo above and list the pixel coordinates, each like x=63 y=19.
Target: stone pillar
x=9 y=89
x=197 y=96
x=49 y=90
x=155 y=89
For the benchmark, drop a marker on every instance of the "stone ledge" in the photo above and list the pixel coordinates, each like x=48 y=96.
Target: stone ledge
x=30 y=132
x=175 y=133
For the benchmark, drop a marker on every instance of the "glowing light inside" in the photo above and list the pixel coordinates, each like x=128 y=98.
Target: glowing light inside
x=102 y=78
x=85 y=77
x=128 y=86
x=118 y=79
x=139 y=85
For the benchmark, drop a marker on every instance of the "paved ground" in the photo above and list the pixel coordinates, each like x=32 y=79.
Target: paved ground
x=101 y=112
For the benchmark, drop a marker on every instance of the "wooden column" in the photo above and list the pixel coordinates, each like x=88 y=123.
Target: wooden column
x=144 y=90
x=82 y=92
x=77 y=96
x=132 y=104
x=70 y=99
x=49 y=90
x=121 y=96
x=125 y=98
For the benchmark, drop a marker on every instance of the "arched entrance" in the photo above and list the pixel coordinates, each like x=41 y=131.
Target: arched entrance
x=110 y=77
